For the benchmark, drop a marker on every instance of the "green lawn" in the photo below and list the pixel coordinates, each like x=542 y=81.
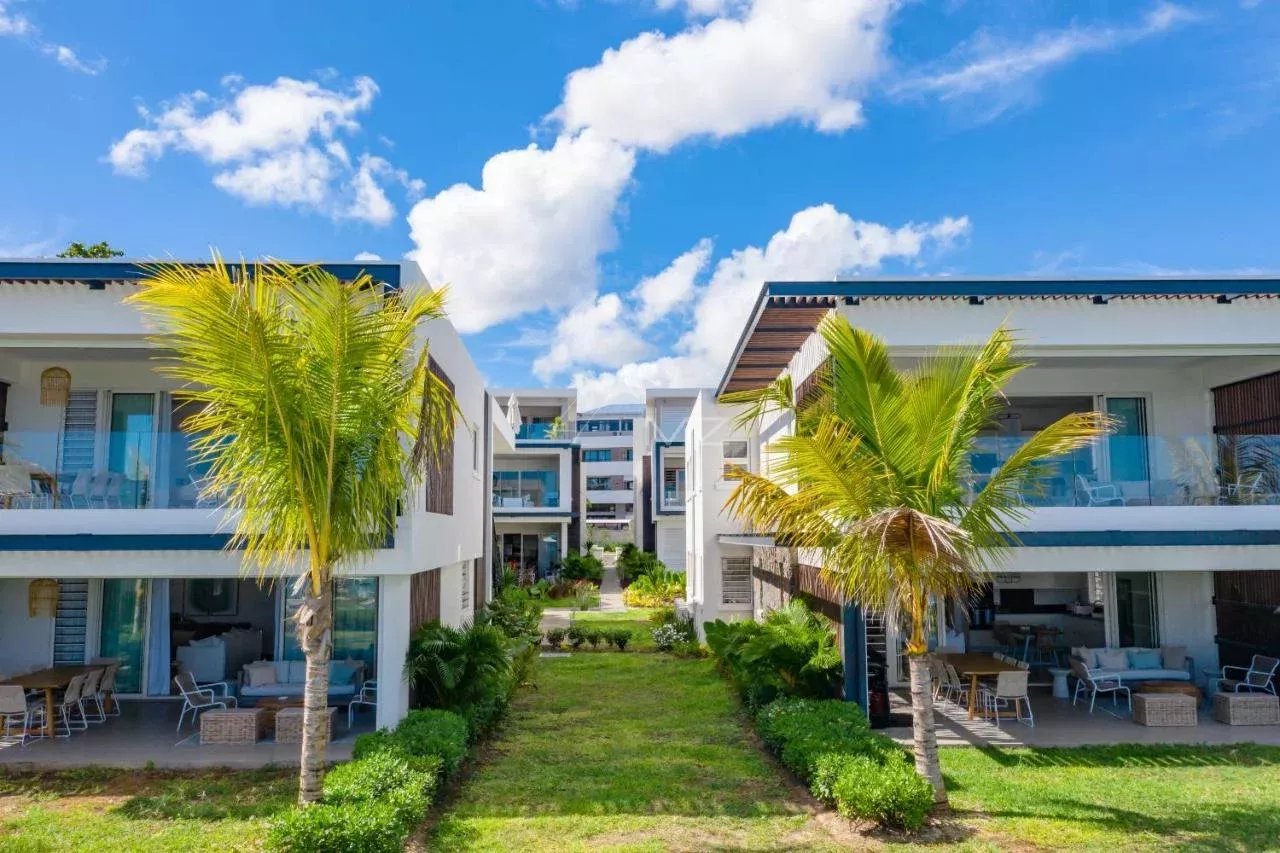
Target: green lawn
x=570 y=602
x=128 y=810
x=1120 y=798
x=626 y=751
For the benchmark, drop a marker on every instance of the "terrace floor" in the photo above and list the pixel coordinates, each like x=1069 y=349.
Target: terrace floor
x=1058 y=723
x=144 y=735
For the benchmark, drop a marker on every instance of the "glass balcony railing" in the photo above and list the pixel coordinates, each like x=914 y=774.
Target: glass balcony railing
x=1144 y=471
x=673 y=490
x=130 y=469
x=543 y=432
x=526 y=489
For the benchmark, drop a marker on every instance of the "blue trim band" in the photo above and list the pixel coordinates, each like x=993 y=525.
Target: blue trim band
x=1140 y=538
x=90 y=271
x=124 y=542
x=1021 y=287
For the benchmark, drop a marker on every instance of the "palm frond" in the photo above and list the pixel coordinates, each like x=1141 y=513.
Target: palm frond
x=757 y=403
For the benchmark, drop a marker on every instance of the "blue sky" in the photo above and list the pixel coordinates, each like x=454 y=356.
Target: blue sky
x=682 y=151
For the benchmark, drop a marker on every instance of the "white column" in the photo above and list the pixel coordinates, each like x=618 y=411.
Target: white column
x=393 y=644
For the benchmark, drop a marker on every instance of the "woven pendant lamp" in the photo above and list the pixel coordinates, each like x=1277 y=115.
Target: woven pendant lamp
x=55 y=386
x=42 y=598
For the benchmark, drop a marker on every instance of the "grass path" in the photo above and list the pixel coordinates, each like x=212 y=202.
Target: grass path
x=631 y=752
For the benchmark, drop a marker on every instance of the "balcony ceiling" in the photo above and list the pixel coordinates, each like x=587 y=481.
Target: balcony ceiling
x=46 y=354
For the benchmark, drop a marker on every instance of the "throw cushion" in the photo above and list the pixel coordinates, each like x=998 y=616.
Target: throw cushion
x=260 y=673
x=1174 y=657
x=1112 y=659
x=297 y=671
x=340 y=672
x=1145 y=659
x=282 y=671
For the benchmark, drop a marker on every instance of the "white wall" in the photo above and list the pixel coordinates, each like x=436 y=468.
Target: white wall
x=28 y=642
x=1187 y=617
x=393 y=645
x=706 y=520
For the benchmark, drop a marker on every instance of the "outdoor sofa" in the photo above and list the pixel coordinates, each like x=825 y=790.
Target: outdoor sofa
x=274 y=679
x=1133 y=663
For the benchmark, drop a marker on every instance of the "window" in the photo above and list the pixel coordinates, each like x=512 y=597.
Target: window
x=734 y=454
x=439 y=479
x=599 y=483
x=475 y=449
x=627 y=455
x=735 y=581
x=596 y=456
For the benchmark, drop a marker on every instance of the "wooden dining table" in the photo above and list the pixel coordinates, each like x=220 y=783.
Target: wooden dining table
x=49 y=680
x=975 y=666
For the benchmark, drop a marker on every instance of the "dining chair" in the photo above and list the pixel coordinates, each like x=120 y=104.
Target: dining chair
x=1009 y=690
x=957 y=691
x=15 y=708
x=107 y=688
x=90 y=698
x=69 y=705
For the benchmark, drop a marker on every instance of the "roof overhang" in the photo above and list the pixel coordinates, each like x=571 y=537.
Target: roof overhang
x=97 y=274
x=787 y=313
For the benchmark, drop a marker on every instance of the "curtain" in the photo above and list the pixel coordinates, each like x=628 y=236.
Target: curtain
x=158 y=653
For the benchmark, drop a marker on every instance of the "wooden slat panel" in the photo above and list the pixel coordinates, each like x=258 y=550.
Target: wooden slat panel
x=424 y=598
x=439 y=475
x=1248 y=407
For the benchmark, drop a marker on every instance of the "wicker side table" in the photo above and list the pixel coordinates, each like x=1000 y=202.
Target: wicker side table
x=1246 y=709
x=1164 y=709
x=234 y=725
x=289 y=724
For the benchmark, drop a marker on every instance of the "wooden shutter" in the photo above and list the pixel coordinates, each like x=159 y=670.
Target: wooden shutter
x=424 y=598
x=735 y=580
x=439 y=479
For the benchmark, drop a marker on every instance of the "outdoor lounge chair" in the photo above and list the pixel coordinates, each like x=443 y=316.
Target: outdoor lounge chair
x=1086 y=682
x=1093 y=493
x=1257 y=677
x=368 y=697
x=202 y=697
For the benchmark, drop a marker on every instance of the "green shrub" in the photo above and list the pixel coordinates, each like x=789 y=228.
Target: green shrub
x=801 y=730
x=364 y=827
x=383 y=775
x=581 y=567
x=555 y=637
x=655 y=589
x=891 y=793
x=633 y=564
x=585 y=595
x=513 y=613
x=422 y=734
x=595 y=636
x=577 y=636
x=791 y=653
x=620 y=638
x=454 y=668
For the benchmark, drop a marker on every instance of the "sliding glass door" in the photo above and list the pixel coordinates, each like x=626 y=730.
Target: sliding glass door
x=130 y=452
x=1137 y=609
x=124 y=629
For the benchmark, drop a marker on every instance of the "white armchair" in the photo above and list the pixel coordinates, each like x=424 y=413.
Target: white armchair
x=202 y=697
x=1093 y=493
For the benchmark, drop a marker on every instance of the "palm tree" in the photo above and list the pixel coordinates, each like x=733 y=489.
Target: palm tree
x=315 y=409
x=875 y=478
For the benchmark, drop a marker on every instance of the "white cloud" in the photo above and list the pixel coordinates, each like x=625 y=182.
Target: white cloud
x=699 y=8
x=1005 y=73
x=660 y=294
x=529 y=237
x=762 y=64
x=367 y=256
x=596 y=332
x=17 y=25
x=819 y=243
x=280 y=143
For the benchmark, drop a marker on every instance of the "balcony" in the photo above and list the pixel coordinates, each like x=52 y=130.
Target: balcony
x=672 y=490
x=541 y=431
x=136 y=468
x=1126 y=471
x=526 y=490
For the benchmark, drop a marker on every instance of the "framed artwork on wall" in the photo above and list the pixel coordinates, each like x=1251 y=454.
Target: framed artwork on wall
x=211 y=597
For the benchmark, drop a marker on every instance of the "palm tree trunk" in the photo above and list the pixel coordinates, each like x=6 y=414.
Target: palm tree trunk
x=315 y=621
x=924 y=736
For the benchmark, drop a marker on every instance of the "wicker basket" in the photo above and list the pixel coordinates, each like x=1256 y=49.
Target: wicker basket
x=1164 y=709
x=234 y=725
x=289 y=724
x=1246 y=709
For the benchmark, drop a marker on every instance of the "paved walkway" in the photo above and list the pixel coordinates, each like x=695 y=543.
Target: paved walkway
x=611 y=591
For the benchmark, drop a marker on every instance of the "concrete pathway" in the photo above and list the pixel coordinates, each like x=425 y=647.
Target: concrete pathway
x=611 y=591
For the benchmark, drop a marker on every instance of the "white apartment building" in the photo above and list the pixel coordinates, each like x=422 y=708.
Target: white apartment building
x=537 y=484
x=610 y=443
x=662 y=473
x=98 y=495
x=1166 y=533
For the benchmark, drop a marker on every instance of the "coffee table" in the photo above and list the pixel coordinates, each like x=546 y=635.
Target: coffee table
x=1186 y=688
x=274 y=704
